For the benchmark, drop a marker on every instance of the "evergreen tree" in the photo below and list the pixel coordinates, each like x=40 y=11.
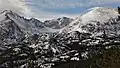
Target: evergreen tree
x=119 y=12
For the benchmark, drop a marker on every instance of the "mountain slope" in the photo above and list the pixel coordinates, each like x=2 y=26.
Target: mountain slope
x=96 y=21
x=33 y=25
x=100 y=14
x=9 y=31
x=14 y=25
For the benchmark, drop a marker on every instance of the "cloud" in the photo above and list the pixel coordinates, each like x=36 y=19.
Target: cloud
x=24 y=7
x=49 y=9
x=47 y=4
x=18 y=6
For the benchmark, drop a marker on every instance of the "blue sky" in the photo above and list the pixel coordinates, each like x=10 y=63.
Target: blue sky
x=49 y=9
x=70 y=8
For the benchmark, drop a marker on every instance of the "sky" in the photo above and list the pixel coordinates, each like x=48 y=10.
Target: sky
x=49 y=9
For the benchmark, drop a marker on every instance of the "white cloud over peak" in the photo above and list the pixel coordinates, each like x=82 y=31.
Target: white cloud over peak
x=22 y=7
x=18 y=6
x=56 y=8
x=49 y=9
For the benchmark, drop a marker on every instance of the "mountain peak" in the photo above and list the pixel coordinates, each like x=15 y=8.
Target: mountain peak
x=100 y=14
x=6 y=11
x=96 y=8
x=63 y=18
x=3 y=14
x=90 y=18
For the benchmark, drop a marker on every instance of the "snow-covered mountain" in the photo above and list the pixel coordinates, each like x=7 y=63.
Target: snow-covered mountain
x=15 y=26
x=26 y=25
x=9 y=30
x=58 y=23
x=33 y=25
x=30 y=43
x=97 y=21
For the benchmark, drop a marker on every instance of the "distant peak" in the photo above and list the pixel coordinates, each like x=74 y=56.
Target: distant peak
x=63 y=18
